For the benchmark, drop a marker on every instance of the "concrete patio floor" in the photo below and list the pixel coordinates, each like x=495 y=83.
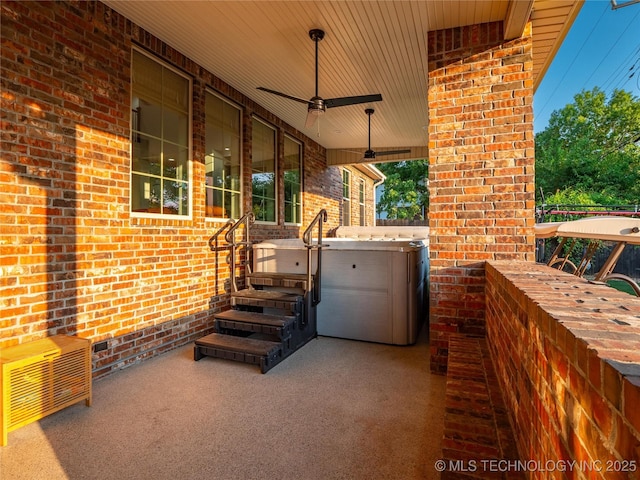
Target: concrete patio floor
x=336 y=409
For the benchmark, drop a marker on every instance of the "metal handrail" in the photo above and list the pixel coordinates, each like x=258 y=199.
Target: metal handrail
x=320 y=218
x=246 y=218
x=213 y=241
x=230 y=237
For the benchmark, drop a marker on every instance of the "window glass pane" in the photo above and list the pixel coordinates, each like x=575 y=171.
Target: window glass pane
x=160 y=138
x=147 y=75
x=175 y=126
x=175 y=91
x=214 y=171
x=263 y=175
x=232 y=203
x=214 y=204
x=175 y=164
x=231 y=117
x=147 y=155
x=223 y=158
x=146 y=194
x=175 y=197
x=147 y=117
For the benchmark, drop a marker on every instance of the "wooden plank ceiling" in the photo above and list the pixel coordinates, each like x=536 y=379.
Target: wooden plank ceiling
x=369 y=47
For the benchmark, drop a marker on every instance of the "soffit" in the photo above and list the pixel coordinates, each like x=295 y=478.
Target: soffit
x=369 y=47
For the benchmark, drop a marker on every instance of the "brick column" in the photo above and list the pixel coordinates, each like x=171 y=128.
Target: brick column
x=481 y=170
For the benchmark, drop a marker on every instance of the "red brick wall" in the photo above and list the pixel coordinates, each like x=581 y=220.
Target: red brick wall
x=356 y=176
x=567 y=355
x=73 y=260
x=321 y=192
x=481 y=170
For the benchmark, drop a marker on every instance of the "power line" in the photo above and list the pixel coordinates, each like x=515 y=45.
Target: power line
x=633 y=70
x=615 y=44
x=620 y=70
x=593 y=29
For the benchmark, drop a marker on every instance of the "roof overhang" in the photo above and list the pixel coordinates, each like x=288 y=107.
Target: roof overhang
x=371 y=172
x=375 y=46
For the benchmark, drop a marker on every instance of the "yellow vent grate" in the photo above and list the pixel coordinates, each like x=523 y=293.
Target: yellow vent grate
x=42 y=377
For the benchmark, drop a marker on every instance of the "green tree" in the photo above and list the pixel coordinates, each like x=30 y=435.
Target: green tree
x=591 y=149
x=405 y=192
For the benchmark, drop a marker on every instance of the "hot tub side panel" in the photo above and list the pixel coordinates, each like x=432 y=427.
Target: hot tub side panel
x=371 y=291
x=371 y=295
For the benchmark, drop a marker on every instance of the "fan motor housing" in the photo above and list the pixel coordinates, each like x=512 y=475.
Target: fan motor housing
x=316 y=34
x=317 y=105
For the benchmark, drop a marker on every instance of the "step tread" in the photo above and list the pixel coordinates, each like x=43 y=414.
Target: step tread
x=256 y=317
x=266 y=295
x=296 y=276
x=252 y=346
x=279 y=279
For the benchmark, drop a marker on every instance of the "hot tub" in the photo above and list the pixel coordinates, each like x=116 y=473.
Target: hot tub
x=374 y=288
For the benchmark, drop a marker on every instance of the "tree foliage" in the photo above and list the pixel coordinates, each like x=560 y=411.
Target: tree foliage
x=591 y=150
x=405 y=192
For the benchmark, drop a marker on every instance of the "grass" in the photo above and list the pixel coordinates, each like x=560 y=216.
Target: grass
x=621 y=285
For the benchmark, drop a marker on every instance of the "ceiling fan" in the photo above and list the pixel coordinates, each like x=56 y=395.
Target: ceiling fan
x=318 y=105
x=370 y=154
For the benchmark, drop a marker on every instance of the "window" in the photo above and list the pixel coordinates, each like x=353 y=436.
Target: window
x=160 y=138
x=346 y=197
x=363 y=210
x=263 y=172
x=223 y=146
x=292 y=181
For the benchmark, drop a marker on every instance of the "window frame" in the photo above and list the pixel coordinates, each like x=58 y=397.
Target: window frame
x=255 y=118
x=362 y=197
x=301 y=184
x=240 y=191
x=346 y=199
x=136 y=133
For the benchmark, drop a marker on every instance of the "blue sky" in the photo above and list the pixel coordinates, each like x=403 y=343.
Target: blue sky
x=601 y=47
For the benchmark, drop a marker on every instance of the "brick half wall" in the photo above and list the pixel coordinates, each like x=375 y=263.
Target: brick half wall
x=567 y=357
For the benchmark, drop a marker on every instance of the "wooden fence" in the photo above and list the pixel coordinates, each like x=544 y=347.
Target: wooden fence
x=401 y=222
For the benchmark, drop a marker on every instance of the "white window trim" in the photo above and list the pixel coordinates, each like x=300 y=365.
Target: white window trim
x=275 y=167
x=301 y=180
x=239 y=107
x=163 y=216
x=362 y=187
x=346 y=201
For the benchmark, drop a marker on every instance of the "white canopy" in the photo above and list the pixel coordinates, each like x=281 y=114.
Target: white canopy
x=615 y=229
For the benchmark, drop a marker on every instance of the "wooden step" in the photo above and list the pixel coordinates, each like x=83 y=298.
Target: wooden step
x=241 y=349
x=267 y=299
x=278 y=325
x=274 y=279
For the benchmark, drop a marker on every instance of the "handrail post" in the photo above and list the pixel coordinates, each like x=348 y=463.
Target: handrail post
x=230 y=237
x=308 y=241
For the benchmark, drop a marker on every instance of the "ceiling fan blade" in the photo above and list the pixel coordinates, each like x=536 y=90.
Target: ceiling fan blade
x=393 y=152
x=301 y=100
x=343 y=101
